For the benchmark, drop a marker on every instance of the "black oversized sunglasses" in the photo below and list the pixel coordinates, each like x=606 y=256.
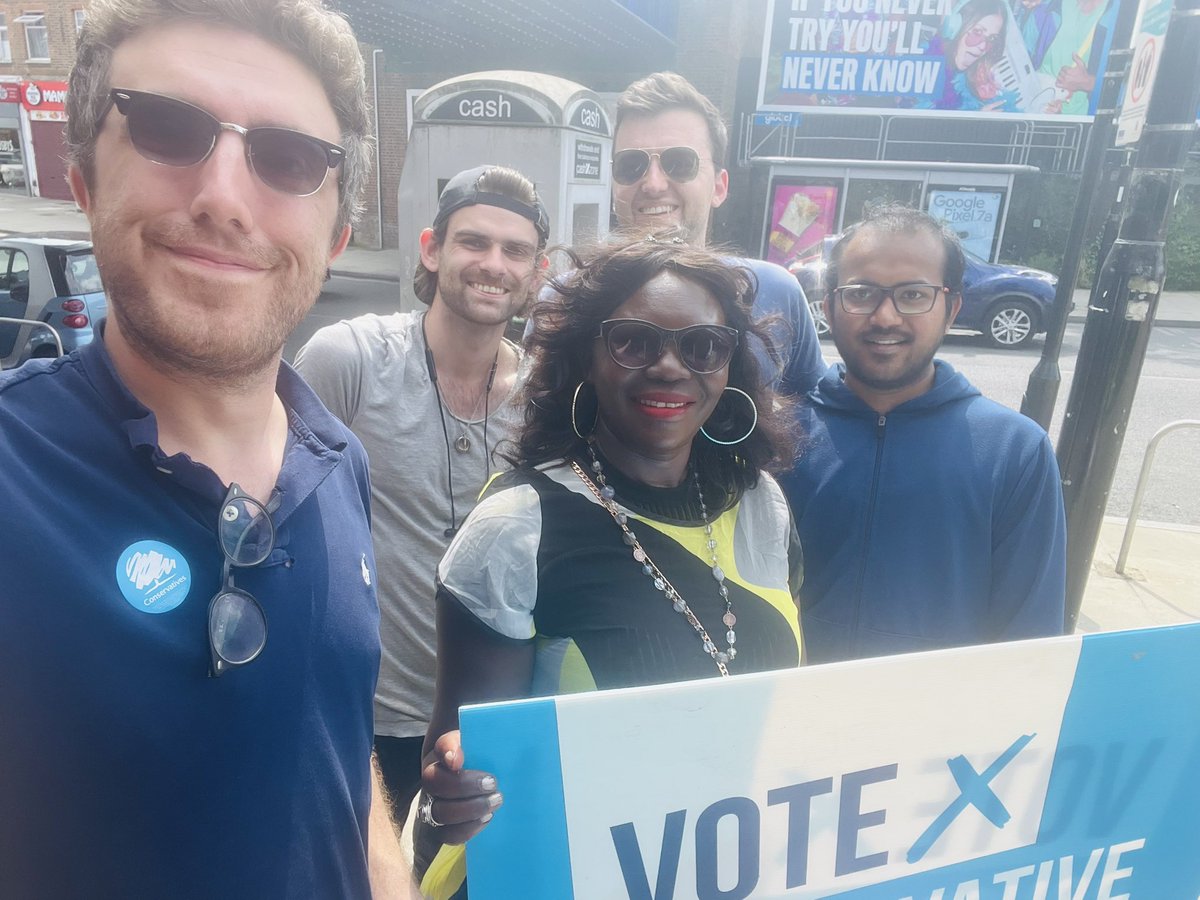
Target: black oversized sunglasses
x=237 y=625
x=173 y=133
x=636 y=344
x=678 y=163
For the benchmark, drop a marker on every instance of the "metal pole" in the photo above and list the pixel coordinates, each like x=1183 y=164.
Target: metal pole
x=378 y=144
x=1140 y=491
x=1042 y=390
x=1124 y=301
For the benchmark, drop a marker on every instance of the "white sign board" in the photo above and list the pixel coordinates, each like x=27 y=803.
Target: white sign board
x=1148 y=33
x=1062 y=768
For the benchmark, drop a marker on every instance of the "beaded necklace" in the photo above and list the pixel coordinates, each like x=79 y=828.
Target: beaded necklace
x=606 y=495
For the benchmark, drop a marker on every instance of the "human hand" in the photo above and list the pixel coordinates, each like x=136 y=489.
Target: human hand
x=458 y=802
x=1076 y=76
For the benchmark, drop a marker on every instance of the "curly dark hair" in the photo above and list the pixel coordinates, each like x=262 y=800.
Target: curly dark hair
x=568 y=320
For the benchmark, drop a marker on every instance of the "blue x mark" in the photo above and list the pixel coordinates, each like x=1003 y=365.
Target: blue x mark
x=973 y=791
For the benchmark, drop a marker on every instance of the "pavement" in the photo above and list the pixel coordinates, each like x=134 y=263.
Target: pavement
x=1160 y=584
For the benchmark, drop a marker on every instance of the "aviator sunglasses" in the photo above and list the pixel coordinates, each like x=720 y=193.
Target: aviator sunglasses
x=173 y=133
x=636 y=344
x=237 y=625
x=679 y=164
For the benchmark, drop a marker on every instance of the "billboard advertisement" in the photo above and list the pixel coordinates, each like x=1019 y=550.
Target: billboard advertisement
x=801 y=214
x=1059 y=769
x=974 y=215
x=1037 y=59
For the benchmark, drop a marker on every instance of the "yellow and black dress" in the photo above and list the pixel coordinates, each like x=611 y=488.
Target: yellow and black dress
x=541 y=559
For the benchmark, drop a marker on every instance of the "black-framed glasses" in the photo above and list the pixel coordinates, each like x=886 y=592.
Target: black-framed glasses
x=237 y=625
x=678 y=163
x=174 y=133
x=636 y=344
x=909 y=299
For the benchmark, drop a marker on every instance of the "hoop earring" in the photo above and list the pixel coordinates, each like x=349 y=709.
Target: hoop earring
x=753 y=423
x=574 y=403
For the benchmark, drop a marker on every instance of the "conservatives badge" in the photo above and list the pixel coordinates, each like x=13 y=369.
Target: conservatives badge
x=154 y=577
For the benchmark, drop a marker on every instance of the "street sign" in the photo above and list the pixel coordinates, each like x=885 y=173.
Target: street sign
x=1148 y=32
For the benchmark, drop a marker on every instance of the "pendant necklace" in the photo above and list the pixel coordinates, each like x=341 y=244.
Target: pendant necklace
x=462 y=443
x=606 y=495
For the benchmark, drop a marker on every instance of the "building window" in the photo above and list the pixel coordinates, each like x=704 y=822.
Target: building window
x=5 y=49
x=80 y=16
x=37 y=40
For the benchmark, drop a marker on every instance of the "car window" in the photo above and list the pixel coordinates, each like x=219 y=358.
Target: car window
x=14 y=269
x=81 y=273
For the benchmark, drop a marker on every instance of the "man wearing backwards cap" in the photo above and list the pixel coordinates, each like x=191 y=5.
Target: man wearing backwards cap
x=429 y=395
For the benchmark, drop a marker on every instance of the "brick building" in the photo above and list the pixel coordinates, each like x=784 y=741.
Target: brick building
x=37 y=48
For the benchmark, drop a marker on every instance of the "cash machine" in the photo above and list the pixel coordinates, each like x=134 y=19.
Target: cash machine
x=554 y=131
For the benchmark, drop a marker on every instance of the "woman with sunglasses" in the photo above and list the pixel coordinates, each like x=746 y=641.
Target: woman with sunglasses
x=639 y=540
x=971 y=42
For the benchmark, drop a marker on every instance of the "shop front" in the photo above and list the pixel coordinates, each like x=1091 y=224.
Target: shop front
x=43 y=104
x=13 y=177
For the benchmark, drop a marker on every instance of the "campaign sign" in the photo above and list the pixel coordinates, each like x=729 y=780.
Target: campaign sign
x=1060 y=769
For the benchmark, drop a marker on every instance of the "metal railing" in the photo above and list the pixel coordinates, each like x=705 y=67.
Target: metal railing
x=1140 y=490
x=34 y=323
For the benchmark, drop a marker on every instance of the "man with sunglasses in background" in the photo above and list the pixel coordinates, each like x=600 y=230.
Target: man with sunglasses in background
x=430 y=396
x=930 y=516
x=172 y=489
x=668 y=168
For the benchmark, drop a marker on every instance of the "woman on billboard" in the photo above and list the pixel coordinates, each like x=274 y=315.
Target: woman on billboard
x=972 y=42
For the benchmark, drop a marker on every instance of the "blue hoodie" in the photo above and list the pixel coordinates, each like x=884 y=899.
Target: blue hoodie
x=939 y=524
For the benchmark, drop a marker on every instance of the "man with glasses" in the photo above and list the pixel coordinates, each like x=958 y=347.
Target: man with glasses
x=430 y=394
x=930 y=516
x=668 y=170
x=188 y=626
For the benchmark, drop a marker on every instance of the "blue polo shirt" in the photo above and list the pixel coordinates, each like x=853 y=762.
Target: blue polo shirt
x=125 y=770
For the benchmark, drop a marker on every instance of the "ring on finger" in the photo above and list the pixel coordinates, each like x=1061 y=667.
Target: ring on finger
x=425 y=812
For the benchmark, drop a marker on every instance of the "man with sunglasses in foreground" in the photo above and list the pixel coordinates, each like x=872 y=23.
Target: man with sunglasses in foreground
x=171 y=490
x=930 y=516
x=669 y=147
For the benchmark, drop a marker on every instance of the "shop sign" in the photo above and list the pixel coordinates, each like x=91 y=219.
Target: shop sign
x=484 y=108
x=1065 y=768
x=587 y=160
x=46 y=101
x=921 y=57
x=590 y=116
x=10 y=93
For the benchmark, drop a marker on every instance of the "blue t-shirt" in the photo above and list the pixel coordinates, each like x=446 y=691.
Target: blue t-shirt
x=125 y=770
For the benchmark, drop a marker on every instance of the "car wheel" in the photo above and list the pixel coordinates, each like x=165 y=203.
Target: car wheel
x=817 y=308
x=1010 y=323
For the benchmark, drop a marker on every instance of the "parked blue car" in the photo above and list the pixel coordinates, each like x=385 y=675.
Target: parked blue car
x=1008 y=305
x=51 y=279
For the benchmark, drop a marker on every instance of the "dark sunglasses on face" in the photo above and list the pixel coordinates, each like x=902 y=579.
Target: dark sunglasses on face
x=636 y=344
x=909 y=299
x=173 y=133
x=237 y=625
x=678 y=163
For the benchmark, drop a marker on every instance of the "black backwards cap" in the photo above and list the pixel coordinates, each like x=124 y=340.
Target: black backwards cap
x=463 y=190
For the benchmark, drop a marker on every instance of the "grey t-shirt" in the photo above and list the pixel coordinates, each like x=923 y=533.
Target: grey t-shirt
x=371 y=373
